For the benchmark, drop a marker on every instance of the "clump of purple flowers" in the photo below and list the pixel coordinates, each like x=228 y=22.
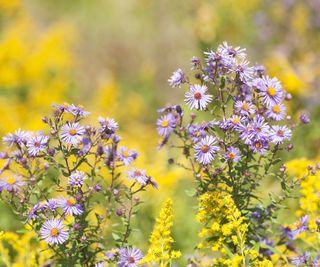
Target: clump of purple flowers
x=55 y=181
x=238 y=125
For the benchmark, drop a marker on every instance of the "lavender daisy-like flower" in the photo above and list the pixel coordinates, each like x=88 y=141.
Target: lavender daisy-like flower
x=84 y=146
x=206 y=149
x=51 y=204
x=129 y=257
x=127 y=156
x=316 y=262
x=260 y=128
x=54 y=232
x=77 y=178
x=11 y=183
x=260 y=146
x=232 y=154
x=33 y=212
x=177 y=78
x=77 y=111
x=300 y=226
x=138 y=175
x=166 y=124
x=278 y=134
x=19 y=137
x=71 y=133
x=276 y=112
x=36 y=144
x=245 y=108
x=196 y=97
x=108 y=127
x=300 y=259
x=243 y=70
x=270 y=90
x=70 y=206
x=196 y=132
x=235 y=121
x=226 y=49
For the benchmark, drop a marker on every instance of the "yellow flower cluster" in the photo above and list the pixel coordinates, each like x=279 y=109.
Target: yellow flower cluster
x=309 y=202
x=160 y=251
x=225 y=231
x=22 y=250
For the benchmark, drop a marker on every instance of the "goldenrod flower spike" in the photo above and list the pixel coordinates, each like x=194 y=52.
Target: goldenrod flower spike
x=160 y=251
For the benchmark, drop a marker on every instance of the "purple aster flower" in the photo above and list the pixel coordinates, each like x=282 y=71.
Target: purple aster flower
x=235 y=121
x=259 y=70
x=19 y=137
x=166 y=124
x=127 y=156
x=245 y=108
x=36 y=144
x=276 y=112
x=260 y=146
x=62 y=107
x=71 y=133
x=225 y=49
x=232 y=154
x=195 y=63
x=246 y=132
x=177 y=78
x=11 y=183
x=54 y=232
x=270 y=90
x=196 y=97
x=129 y=257
x=300 y=259
x=316 y=262
x=206 y=149
x=51 y=204
x=138 y=176
x=33 y=213
x=108 y=127
x=260 y=128
x=84 y=146
x=304 y=118
x=196 y=132
x=300 y=226
x=243 y=70
x=77 y=111
x=70 y=206
x=278 y=134
x=76 y=179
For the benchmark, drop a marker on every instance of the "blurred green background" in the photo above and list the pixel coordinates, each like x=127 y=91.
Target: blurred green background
x=114 y=58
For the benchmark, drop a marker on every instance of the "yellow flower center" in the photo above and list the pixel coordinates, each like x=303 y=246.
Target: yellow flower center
x=205 y=149
x=11 y=180
x=54 y=232
x=245 y=107
x=276 y=108
x=125 y=154
x=231 y=155
x=164 y=123
x=258 y=145
x=71 y=201
x=236 y=120
x=137 y=173
x=72 y=131
x=271 y=91
x=197 y=96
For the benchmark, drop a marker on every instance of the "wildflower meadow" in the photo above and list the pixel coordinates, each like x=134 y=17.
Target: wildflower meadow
x=166 y=133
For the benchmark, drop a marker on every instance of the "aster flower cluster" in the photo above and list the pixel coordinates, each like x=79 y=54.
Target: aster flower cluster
x=233 y=128
x=56 y=181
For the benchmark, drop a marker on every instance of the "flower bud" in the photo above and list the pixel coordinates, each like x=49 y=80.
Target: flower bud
x=289 y=147
x=45 y=119
x=77 y=227
x=97 y=187
x=119 y=212
x=51 y=151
